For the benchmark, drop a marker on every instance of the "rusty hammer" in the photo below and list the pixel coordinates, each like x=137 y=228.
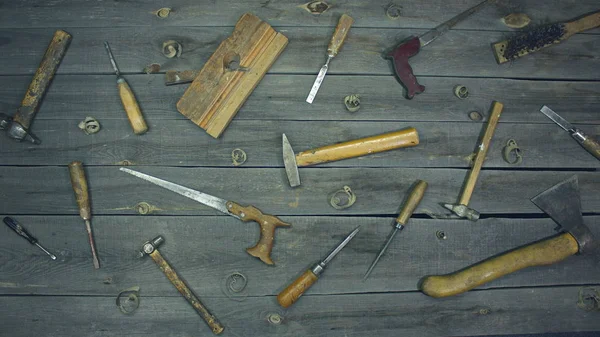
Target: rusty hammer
x=151 y=248
x=462 y=209
x=350 y=149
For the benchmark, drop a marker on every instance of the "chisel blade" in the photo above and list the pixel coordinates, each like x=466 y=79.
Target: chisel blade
x=557 y=119
x=318 y=81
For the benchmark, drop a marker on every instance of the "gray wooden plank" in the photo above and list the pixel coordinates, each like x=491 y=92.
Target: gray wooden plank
x=457 y=53
x=505 y=311
x=170 y=142
x=206 y=250
x=88 y=13
x=47 y=190
x=282 y=97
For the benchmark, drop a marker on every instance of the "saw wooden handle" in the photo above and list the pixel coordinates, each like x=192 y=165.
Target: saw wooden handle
x=541 y=253
x=293 y=292
x=268 y=224
x=359 y=147
x=132 y=108
x=585 y=23
x=414 y=198
x=402 y=69
x=482 y=150
x=339 y=35
x=80 y=187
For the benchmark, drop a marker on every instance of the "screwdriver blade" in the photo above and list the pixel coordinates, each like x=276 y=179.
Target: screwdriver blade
x=112 y=59
x=52 y=256
x=339 y=247
x=382 y=251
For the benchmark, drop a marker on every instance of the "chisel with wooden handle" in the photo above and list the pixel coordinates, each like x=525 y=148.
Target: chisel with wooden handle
x=293 y=292
x=337 y=40
x=80 y=187
x=130 y=103
x=351 y=149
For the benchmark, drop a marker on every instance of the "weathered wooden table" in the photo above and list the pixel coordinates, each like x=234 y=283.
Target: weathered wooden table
x=69 y=298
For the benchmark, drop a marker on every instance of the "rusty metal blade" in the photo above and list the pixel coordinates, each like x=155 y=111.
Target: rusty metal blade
x=180 y=77
x=289 y=160
x=562 y=203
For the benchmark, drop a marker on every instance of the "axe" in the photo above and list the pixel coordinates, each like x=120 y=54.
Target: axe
x=561 y=202
x=350 y=149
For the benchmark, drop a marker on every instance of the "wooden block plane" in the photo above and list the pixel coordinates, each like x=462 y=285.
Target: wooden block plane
x=231 y=74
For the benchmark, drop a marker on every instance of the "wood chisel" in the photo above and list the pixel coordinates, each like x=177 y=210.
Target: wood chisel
x=337 y=40
x=414 y=198
x=587 y=142
x=130 y=103
x=15 y=226
x=293 y=292
x=411 y=47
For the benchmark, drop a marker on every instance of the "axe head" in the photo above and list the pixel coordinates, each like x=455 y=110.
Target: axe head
x=562 y=203
x=289 y=160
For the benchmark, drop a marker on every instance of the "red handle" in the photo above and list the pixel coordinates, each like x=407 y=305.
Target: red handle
x=404 y=72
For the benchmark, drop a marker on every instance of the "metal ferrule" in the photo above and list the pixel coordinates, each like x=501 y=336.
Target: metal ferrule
x=399 y=226
x=318 y=268
x=578 y=135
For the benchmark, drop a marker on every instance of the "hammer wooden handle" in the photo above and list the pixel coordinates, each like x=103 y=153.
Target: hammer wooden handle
x=267 y=223
x=131 y=106
x=359 y=147
x=80 y=187
x=482 y=150
x=293 y=292
x=339 y=35
x=414 y=198
x=541 y=253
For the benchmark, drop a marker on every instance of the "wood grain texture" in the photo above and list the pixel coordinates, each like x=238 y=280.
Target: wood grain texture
x=115 y=192
x=339 y=35
x=132 y=107
x=292 y=292
x=136 y=48
x=412 y=201
x=205 y=250
x=527 y=310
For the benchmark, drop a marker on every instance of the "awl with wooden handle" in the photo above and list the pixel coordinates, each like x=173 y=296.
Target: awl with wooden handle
x=350 y=149
x=337 y=40
x=293 y=292
x=413 y=200
x=80 y=187
x=130 y=103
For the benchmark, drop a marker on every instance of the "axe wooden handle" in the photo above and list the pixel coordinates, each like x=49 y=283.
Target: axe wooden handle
x=541 y=253
x=339 y=35
x=359 y=147
x=482 y=150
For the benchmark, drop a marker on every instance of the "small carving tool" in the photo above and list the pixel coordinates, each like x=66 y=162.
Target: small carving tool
x=462 y=209
x=414 y=198
x=15 y=226
x=130 y=103
x=337 y=40
x=80 y=187
x=293 y=292
x=411 y=47
x=562 y=203
x=267 y=223
x=350 y=149
x=18 y=126
x=151 y=248
x=542 y=37
x=588 y=143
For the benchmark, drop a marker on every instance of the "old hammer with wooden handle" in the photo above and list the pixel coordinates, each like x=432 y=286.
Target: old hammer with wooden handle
x=350 y=149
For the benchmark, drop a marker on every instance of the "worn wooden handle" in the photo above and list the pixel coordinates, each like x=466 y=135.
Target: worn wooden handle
x=293 y=292
x=541 y=253
x=481 y=153
x=80 y=187
x=268 y=224
x=359 y=147
x=132 y=108
x=340 y=34
x=414 y=198
x=592 y=146
x=583 y=24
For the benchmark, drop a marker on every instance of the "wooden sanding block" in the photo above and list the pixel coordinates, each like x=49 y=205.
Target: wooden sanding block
x=231 y=74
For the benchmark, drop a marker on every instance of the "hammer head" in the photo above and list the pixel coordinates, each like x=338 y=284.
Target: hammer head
x=289 y=160
x=149 y=246
x=462 y=211
x=562 y=203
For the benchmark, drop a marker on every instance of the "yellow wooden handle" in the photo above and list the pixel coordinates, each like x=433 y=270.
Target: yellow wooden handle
x=583 y=24
x=339 y=35
x=80 y=188
x=412 y=202
x=592 y=146
x=359 y=147
x=293 y=292
x=541 y=253
x=132 y=108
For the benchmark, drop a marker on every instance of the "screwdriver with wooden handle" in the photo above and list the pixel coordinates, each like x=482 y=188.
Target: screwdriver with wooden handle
x=414 y=198
x=80 y=187
x=337 y=40
x=130 y=103
x=293 y=292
